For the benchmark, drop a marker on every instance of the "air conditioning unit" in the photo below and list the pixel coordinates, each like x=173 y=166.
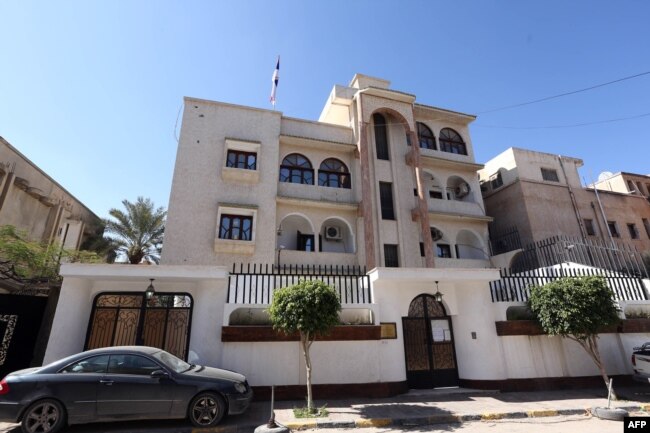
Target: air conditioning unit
x=333 y=233
x=462 y=190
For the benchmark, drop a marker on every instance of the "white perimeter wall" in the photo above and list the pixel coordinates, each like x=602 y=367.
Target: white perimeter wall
x=467 y=301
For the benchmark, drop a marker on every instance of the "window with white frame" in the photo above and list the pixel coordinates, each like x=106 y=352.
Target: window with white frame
x=241 y=161
x=236 y=228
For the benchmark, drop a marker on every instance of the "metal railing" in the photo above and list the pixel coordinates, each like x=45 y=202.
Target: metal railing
x=255 y=283
x=618 y=257
x=515 y=286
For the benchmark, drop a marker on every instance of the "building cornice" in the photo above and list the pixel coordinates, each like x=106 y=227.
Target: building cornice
x=145 y=272
x=322 y=204
x=317 y=143
x=434 y=161
x=463 y=216
x=188 y=99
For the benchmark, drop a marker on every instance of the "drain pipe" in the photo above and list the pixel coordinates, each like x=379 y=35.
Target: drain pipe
x=581 y=225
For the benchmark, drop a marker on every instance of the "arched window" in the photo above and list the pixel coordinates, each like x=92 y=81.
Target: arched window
x=333 y=173
x=425 y=137
x=296 y=168
x=451 y=141
x=381 y=136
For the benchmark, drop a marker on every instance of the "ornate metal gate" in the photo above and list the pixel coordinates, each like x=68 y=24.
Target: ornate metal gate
x=127 y=318
x=429 y=345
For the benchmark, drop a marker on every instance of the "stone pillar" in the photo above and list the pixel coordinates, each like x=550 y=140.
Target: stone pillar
x=422 y=210
x=366 y=194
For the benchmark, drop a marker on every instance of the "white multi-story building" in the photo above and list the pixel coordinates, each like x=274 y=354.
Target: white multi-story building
x=379 y=198
x=365 y=185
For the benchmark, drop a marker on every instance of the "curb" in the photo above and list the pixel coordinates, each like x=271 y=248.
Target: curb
x=439 y=419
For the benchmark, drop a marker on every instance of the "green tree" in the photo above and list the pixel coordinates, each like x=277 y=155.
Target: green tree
x=577 y=309
x=310 y=308
x=138 y=231
x=36 y=260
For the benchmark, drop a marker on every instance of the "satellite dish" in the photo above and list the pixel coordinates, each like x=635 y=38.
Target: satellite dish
x=605 y=175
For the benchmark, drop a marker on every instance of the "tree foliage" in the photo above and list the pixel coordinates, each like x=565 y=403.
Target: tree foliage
x=137 y=232
x=577 y=309
x=36 y=260
x=310 y=308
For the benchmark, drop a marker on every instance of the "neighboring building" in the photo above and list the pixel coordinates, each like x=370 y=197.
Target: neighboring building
x=365 y=185
x=541 y=195
x=34 y=202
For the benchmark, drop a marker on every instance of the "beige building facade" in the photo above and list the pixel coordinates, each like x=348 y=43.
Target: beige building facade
x=369 y=184
x=34 y=202
x=542 y=196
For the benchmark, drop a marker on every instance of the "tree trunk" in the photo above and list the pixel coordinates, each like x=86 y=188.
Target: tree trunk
x=591 y=346
x=304 y=341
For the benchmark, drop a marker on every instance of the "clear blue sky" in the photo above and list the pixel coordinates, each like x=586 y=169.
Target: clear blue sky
x=90 y=90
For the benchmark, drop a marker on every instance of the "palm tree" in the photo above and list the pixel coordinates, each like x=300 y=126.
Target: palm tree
x=138 y=232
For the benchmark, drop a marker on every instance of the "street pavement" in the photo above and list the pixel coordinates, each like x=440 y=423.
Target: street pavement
x=415 y=408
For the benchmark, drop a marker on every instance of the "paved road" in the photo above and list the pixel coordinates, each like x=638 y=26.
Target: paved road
x=556 y=424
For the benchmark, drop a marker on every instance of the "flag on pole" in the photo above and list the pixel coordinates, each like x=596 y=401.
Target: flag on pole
x=274 y=79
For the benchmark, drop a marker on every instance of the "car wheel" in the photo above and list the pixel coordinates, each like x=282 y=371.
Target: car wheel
x=43 y=416
x=207 y=409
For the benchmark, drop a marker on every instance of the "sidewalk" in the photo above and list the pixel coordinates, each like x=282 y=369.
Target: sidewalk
x=414 y=408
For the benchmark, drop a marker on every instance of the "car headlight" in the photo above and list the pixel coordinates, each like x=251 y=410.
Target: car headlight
x=240 y=387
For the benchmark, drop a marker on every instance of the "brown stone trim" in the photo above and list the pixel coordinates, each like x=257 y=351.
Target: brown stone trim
x=231 y=334
x=530 y=327
x=333 y=391
x=544 y=383
x=366 y=192
x=635 y=325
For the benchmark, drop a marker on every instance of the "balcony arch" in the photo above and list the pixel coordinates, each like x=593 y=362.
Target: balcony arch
x=469 y=246
x=459 y=189
x=295 y=232
x=336 y=236
x=433 y=187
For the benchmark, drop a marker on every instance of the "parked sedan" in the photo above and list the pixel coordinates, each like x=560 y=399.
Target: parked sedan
x=120 y=383
x=641 y=363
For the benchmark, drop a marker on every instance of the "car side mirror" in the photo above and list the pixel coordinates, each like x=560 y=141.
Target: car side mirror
x=157 y=374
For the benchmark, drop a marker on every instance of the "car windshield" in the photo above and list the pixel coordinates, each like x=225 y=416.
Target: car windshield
x=176 y=364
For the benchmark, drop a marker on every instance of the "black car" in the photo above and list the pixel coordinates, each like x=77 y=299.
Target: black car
x=120 y=383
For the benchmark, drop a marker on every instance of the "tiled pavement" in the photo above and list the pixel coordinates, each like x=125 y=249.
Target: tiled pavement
x=413 y=408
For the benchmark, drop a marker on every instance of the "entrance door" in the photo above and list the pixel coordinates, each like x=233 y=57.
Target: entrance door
x=127 y=318
x=429 y=345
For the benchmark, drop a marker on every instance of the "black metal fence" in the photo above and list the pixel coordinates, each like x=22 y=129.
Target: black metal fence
x=504 y=241
x=597 y=253
x=255 y=284
x=515 y=286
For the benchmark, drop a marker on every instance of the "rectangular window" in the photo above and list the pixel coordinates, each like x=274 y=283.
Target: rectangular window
x=484 y=186
x=236 y=227
x=435 y=194
x=646 y=224
x=613 y=229
x=496 y=180
x=381 y=136
x=241 y=159
x=408 y=139
x=589 y=226
x=634 y=233
x=386 y=199
x=443 y=250
x=550 y=175
x=421 y=249
x=391 y=259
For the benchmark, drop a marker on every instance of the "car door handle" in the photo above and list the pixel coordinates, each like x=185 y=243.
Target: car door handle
x=106 y=382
